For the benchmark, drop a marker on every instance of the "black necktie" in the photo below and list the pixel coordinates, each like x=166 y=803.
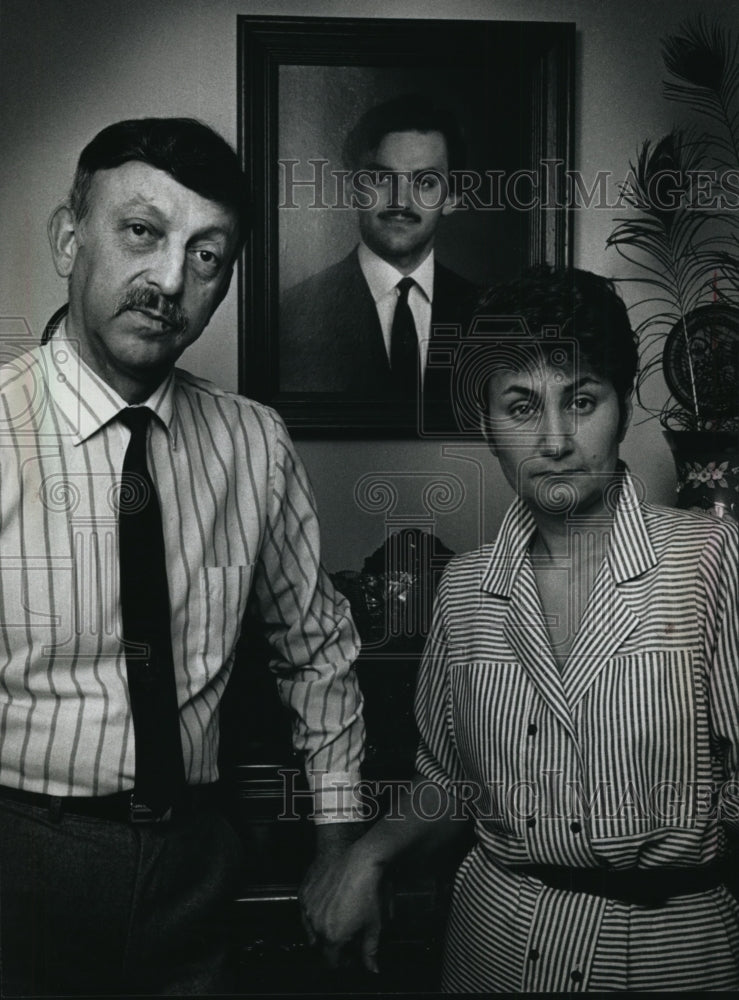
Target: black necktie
x=145 y=612
x=404 y=343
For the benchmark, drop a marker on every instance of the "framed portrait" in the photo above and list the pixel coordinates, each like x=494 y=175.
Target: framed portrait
x=318 y=326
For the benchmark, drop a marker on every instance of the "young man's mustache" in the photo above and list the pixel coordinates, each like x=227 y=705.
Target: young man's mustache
x=390 y=214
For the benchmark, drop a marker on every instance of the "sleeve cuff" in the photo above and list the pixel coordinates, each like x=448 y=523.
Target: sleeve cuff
x=335 y=796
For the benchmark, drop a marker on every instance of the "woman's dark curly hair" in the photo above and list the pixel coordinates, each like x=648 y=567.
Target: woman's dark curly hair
x=575 y=313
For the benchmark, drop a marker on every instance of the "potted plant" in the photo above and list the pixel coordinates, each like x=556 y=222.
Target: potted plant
x=681 y=233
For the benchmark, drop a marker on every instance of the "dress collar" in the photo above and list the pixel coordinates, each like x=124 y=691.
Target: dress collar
x=630 y=551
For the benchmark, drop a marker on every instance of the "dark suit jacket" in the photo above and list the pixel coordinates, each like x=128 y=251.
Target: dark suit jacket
x=331 y=339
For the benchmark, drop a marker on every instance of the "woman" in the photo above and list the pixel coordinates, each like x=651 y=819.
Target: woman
x=578 y=697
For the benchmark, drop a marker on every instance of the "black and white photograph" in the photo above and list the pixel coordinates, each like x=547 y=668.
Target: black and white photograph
x=369 y=498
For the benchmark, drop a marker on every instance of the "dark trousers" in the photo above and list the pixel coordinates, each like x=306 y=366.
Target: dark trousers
x=95 y=907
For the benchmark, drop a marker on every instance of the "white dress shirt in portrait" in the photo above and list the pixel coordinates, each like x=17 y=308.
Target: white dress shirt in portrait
x=382 y=279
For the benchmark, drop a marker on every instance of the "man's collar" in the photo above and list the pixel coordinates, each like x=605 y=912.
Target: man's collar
x=87 y=402
x=383 y=277
x=630 y=551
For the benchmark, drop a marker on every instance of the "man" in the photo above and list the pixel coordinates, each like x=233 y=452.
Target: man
x=363 y=326
x=143 y=509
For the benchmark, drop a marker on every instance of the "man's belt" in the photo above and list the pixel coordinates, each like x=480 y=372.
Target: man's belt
x=635 y=886
x=120 y=807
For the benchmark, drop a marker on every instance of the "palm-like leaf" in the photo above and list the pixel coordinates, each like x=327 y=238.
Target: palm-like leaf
x=726 y=282
x=664 y=239
x=686 y=254
x=704 y=62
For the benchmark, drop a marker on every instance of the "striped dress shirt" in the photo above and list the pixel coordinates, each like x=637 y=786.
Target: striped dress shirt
x=624 y=758
x=241 y=536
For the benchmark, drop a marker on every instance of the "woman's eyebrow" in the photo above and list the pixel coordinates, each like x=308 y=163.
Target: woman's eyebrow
x=585 y=379
x=525 y=390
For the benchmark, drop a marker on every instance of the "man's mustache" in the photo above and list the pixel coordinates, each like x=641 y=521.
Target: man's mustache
x=398 y=213
x=154 y=302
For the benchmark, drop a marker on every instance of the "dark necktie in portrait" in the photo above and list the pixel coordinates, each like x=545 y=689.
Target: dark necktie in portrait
x=404 y=341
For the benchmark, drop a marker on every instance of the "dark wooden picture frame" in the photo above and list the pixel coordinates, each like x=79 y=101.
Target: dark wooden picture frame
x=302 y=81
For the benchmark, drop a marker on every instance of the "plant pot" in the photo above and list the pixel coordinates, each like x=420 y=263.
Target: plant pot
x=707 y=464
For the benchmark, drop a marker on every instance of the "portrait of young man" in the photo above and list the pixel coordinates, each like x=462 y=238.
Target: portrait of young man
x=144 y=510
x=362 y=326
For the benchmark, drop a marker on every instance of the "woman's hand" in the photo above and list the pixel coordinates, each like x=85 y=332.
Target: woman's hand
x=340 y=903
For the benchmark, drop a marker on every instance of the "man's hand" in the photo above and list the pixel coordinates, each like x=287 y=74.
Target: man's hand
x=340 y=896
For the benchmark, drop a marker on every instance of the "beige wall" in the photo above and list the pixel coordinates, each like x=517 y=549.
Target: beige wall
x=69 y=67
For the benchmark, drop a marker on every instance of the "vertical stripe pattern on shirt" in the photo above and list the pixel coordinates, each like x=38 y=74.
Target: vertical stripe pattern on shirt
x=241 y=533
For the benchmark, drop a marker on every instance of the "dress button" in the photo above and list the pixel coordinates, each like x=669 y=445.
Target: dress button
x=576 y=976
x=532 y=730
x=575 y=827
x=533 y=955
x=531 y=822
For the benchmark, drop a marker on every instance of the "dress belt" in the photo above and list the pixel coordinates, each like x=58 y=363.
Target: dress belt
x=635 y=886
x=119 y=807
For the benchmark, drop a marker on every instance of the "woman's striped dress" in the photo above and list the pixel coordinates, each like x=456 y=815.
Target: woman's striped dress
x=625 y=758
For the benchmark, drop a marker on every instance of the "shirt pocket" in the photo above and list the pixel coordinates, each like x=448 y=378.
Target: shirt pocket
x=640 y=732
x=488 y=700
x=223 y=593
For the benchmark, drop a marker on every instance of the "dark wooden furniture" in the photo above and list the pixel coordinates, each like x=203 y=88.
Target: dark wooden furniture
x=263 y=782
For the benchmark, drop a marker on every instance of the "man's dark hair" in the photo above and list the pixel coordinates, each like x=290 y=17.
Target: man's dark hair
x=585 y=308
x=191 y=152
x=409 y=113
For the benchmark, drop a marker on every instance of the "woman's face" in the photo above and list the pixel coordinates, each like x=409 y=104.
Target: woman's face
x=556 y=433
